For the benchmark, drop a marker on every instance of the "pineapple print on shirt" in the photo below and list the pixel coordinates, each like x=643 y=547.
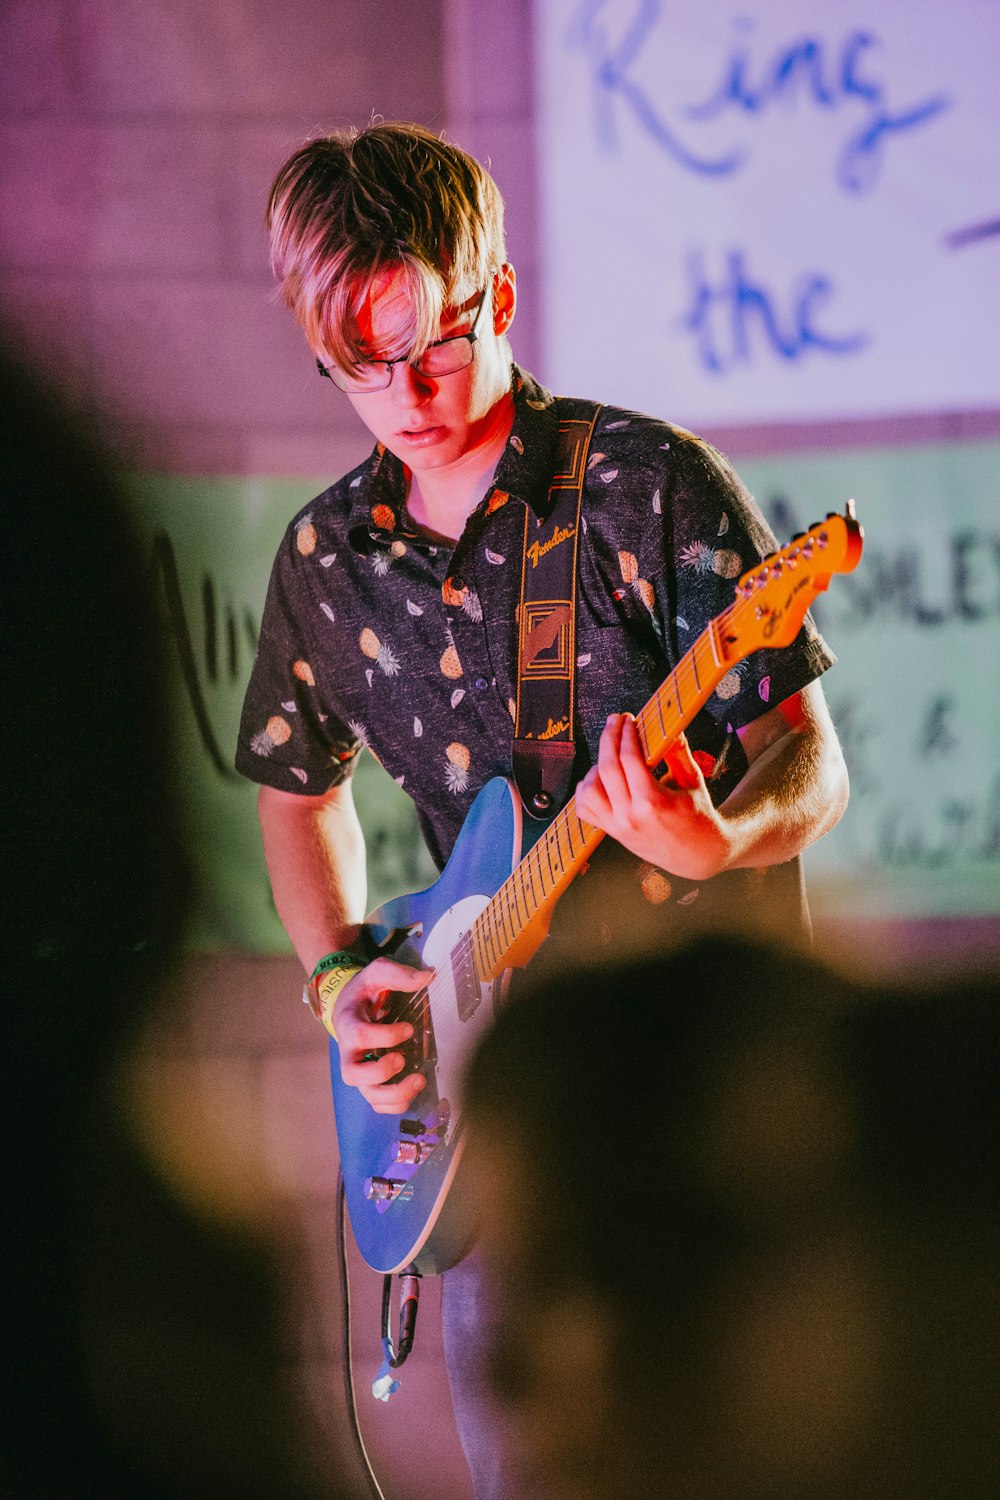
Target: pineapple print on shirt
x=378 y=652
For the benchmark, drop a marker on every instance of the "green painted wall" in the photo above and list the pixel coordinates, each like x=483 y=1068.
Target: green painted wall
x=915 y=693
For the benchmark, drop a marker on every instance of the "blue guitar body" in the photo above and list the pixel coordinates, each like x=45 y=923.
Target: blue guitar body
x=398 y=1170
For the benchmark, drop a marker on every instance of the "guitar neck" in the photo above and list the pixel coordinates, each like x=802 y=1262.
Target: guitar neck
x=530 y=892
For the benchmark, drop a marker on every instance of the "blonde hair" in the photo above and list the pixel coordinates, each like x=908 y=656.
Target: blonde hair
x=350 y=206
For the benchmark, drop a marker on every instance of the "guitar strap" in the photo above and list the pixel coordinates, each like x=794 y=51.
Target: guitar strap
x=543 y=750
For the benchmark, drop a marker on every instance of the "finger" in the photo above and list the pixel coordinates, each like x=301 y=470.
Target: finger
x=372 y=1036
x=682 y=767
x=362 y=1069
x=387 y=974
x=394 y=1098
x=592 y=800
x=609 y=763
x=639 y=778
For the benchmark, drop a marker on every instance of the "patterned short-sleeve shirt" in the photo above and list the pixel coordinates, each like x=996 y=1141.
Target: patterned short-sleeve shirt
x=376 y=636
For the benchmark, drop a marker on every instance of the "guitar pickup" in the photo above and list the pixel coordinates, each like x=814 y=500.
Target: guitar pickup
x=419 y=1053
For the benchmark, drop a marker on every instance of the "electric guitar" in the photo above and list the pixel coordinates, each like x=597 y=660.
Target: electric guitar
x=490 y=910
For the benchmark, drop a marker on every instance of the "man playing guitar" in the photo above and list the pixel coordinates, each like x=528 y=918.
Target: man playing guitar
x=391 y=623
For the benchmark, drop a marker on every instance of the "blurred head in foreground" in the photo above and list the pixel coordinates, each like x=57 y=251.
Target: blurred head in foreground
x=138 y=1356
x=747 y=1253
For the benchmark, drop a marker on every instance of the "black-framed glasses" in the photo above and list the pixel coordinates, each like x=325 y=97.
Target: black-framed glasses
x=444 y=357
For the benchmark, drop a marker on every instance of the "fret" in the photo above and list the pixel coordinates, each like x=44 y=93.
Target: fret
x=493 y=947
x=539 y=890
x=528 y=883
x=658 y=705
x=484 y=925
x=520 y=890
x=579 y=833
x=713 y=644
x=548 y=854
x=513 y=915
x=501 y=906
x=485 y=939
x=559 y=825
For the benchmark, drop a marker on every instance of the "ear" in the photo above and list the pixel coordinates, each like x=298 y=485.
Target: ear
x=504 y=298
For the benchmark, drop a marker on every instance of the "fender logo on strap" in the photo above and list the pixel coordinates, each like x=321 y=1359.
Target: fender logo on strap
x=538 y=549
x=560 y=726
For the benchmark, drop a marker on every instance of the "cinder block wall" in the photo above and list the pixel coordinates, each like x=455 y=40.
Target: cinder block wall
x=137 y=143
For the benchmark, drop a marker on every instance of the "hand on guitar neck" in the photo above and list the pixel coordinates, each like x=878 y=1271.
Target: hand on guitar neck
x=672 y=822
x=669 y=822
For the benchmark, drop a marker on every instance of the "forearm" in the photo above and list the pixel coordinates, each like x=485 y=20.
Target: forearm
x=315 y=854
x=793 y=792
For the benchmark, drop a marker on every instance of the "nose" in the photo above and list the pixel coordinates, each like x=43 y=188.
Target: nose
x=408 y=387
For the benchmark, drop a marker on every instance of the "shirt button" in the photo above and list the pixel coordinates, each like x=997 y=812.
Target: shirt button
x=482 y=684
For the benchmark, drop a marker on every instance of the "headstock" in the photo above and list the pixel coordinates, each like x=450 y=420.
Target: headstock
x=772 y=599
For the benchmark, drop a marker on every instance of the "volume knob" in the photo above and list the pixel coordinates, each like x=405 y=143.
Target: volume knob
x=412 y=1153
x=383 y=1189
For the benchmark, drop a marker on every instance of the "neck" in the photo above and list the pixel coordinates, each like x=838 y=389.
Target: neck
x=441 y=500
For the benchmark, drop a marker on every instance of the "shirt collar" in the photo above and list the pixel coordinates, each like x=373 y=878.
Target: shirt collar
x=525 y=466
x=378 y=512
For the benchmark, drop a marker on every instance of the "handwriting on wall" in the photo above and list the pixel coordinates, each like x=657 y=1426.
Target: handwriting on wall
x=773 y=188
x=923 y=764
x=844 y=75
x=735 y=318
x=213 y=640
x=197 y=654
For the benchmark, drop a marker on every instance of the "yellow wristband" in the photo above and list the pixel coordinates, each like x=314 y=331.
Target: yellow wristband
x=324 y=987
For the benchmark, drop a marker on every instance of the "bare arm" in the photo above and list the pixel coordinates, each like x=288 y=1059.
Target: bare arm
x=796 y=787
x=794 y=791
x=315 y=853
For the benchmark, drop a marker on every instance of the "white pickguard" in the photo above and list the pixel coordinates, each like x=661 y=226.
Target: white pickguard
x=454 y=1038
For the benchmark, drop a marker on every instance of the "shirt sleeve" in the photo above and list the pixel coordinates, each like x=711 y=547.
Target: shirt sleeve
x=716 y=533
x=288 y=737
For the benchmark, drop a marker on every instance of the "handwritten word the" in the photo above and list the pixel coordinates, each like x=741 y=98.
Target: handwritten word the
x=811 y=71
x=736 y=316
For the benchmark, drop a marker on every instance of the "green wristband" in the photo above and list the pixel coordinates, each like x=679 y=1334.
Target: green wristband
x=326 y=982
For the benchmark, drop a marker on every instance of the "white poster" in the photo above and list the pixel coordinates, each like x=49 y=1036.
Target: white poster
x=774 y=210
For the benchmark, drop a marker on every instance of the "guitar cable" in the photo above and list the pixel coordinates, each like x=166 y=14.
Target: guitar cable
x=409 y=1301
x=395 y=1355
x=347 y=1368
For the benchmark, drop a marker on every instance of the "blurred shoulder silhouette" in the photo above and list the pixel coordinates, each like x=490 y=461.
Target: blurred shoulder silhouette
x=139 y=1353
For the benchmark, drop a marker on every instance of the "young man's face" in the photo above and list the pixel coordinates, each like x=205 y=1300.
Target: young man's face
x=431 y=422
